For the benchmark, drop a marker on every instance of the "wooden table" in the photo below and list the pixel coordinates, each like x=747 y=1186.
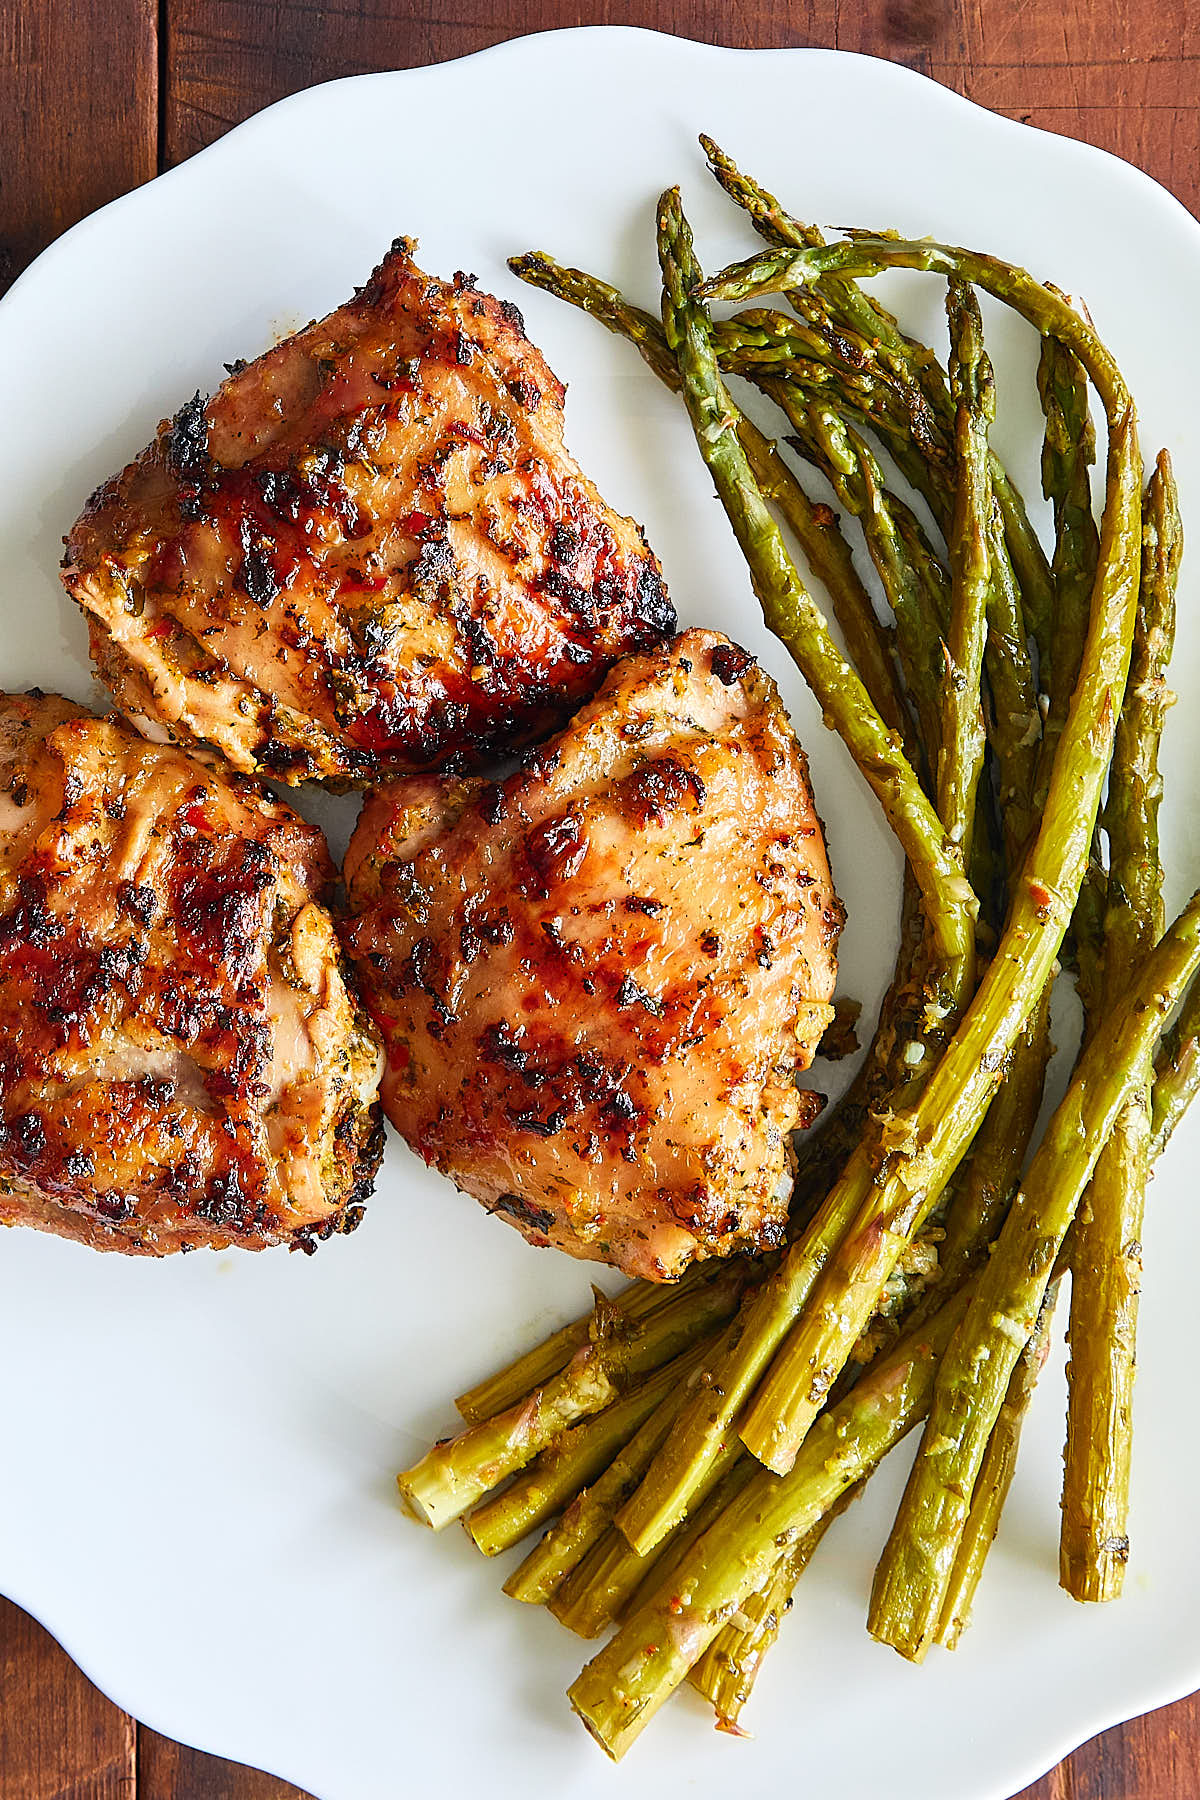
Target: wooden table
x=97 y=95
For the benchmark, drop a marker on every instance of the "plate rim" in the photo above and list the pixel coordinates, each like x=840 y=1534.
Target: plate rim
x=901 y=73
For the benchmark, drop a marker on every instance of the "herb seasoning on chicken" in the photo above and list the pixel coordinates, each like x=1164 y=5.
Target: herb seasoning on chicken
x=369 y=552
x=181 y=1061
x=597 y=979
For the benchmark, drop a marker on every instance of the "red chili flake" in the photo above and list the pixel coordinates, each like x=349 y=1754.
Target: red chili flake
x=460 y=429
x=160 y=628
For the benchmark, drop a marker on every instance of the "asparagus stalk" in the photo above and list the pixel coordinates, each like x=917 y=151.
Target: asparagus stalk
x=456 y=1473
x=877 y=334
x=914 y=1573
x=1015 y=733
x=597 y=1591
x=1105 y=1284
x=989 y=1177
x=1068 y=451
x=496 y=1393
x=1176 y=1074
x=590 y=1513
x=875 y=1210
x=995 y=1476
x=995 y=1479
x=600 y=1589
x=990 y=1174
x=1106 y=1263
x=726 y=1673
x=961 y=760
x=573 y=1460
x=622 y=1688
x=910 y=587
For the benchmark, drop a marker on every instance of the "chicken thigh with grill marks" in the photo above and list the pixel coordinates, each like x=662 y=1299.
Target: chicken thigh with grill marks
x=181 y=1061
x=368 y=553
x=597 y=979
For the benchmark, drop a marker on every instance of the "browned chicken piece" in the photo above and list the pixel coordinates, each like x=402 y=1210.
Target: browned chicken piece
x=369 y=553
x=181 y=1061
x=597 y=979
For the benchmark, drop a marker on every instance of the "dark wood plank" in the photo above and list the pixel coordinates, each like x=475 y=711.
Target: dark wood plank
x=59 y=1736
x=167 y=1771
x=1153 y=1758
x=79 y=97
x=227 y=58
x=1123 y=78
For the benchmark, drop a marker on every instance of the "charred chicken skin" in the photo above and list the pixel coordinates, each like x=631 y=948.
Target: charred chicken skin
x=369 y=553
x=181 y=1061
x=597 y=979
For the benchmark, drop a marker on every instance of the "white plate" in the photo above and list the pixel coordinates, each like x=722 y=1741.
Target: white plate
x=199 y=1496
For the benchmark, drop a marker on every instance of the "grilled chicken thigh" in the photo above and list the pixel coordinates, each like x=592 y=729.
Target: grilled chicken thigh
x=181 y=1062
x=368 y=553
x=597 y=979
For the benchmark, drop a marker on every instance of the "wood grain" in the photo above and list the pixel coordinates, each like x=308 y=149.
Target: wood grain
x=59 y=1737
x=79 y=97
x=1153 y=1758
x=98 y=93
x=167 y=1771
x=1121 y=76
x=227 y=58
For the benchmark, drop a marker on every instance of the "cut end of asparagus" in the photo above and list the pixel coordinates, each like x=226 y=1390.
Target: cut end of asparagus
x=730 y=1727
x=413 y=1506
x=530 y=1589
x=912 y=1645
x=612 y=1720
x=430 y=1496
x=1093 y=1580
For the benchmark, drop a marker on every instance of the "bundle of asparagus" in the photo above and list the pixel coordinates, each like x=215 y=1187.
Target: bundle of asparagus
x=692 y=1444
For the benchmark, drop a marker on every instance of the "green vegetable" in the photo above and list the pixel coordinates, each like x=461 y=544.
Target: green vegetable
x=961 y=762
x=622 y=1688
x=578 y=1456
x=995 y=1478
x=1106 y=1261
x=880 y=1202
x=915 y=1571
x=455 y=1474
